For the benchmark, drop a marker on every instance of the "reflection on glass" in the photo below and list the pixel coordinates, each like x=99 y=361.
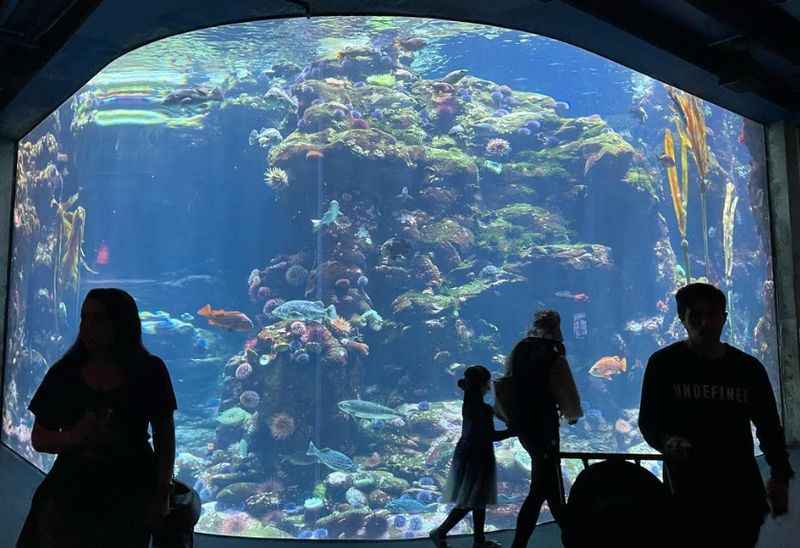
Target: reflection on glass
x=325 y=221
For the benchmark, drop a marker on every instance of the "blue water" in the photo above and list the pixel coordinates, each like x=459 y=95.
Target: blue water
x=455 y=222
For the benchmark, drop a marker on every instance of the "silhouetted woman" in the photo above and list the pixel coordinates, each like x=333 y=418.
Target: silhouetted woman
x=107 y=488
x=543 y=388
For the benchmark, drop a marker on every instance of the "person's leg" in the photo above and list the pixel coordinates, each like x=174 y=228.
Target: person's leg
x=551 y=485
x=455 y=515
x=478 y=522
x=529 y=511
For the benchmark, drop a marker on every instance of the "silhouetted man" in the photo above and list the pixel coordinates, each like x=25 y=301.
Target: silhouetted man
x=699 y=397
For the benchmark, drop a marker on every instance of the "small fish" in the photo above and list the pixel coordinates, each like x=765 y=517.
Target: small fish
x=608 y=366
x=638 y=112
x=577 y=297
x=331 y=458
x=408 y=505
x=404 y=196
x=456 y=369
x=363 y=409
x=232 y=320
x=328 y=218
x=454 y=76
x=304 y=310
x=667 y=161
x=102 y=254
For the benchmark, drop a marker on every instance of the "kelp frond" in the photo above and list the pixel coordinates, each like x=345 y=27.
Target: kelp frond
x=678 y=199
x=693 y=126
x=728 y=216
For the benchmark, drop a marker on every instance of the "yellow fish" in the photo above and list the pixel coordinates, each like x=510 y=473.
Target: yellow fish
x=608 y=366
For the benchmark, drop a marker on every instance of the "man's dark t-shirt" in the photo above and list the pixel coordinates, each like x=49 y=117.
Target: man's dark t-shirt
x=711 y=403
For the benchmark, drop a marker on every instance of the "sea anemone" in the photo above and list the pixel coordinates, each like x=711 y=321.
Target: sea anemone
x=276 y=178
x=342 y=285
x=243 y=371
x=296 y=275
x=360 y=123
x=249 y=399
x=341 y=326
x=281 y=426
x=297 y=328
x=498 y=147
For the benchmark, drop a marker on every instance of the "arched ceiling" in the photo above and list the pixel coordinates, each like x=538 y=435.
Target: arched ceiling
x=743 y=56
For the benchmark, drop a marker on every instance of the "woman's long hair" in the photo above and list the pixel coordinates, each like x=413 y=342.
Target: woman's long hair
x=127 y=348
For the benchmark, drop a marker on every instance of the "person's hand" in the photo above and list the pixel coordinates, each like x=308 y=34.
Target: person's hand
x=778 y=496
x=677 y=448
x=157 y=509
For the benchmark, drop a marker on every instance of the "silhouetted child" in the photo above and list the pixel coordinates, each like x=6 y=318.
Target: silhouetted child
x=472 y=481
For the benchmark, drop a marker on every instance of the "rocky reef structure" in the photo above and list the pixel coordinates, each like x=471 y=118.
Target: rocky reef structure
x=421 y=207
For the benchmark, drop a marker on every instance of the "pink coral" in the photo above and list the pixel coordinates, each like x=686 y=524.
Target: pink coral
x=498 y=147
x=281 y=425
x=249 y=399
x=243 y=371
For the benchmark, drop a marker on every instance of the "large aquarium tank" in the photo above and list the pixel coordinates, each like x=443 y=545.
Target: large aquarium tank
x=325 y=221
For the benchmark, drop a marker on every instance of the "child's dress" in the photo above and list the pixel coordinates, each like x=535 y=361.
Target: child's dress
x=472 y=481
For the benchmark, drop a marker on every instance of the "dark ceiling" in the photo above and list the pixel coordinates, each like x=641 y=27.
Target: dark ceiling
x=743 y=54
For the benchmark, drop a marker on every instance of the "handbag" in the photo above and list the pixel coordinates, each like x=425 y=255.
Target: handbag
x=504 y=398
x=177 y=528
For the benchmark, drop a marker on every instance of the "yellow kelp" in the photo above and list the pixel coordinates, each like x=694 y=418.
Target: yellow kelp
x=692 y=126
x=678 y=192
x=728 y=215
x=71 y=253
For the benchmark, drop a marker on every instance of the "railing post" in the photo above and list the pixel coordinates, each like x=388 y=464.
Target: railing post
x=783 y=165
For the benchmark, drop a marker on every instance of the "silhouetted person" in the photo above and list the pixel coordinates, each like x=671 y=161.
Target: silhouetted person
x=107 y=488
x=699 y=397
x=543 y=388
x=472 y=480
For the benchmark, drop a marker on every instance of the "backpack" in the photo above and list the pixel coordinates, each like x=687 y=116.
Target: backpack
x=504 y=397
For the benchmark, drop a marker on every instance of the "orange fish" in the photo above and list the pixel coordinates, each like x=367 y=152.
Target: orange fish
x=102 y=254
x=608 y=366
x=232 y=320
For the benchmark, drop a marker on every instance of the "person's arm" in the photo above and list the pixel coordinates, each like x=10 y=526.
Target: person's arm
x=764 y=414
x=562 y=388
x=164 y=446
x=58 y=441
x=652 y=408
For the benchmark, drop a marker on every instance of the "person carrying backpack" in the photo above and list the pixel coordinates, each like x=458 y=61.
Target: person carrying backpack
x=537 y=388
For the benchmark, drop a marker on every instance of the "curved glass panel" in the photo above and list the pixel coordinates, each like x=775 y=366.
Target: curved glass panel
x=376 y=203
